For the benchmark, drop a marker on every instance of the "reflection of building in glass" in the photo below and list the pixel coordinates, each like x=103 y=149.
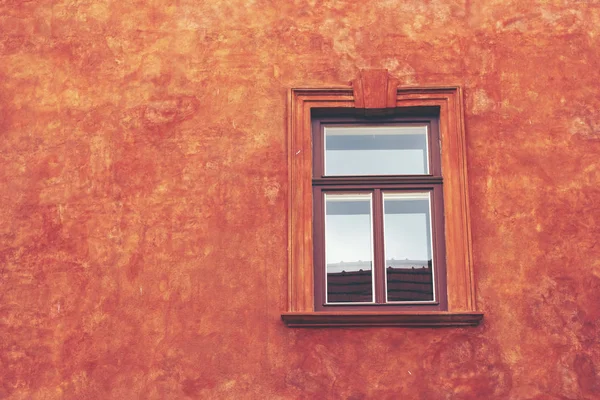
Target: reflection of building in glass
x=407 y=280
x=354 y=286
x=409 y=284
x=366 y=265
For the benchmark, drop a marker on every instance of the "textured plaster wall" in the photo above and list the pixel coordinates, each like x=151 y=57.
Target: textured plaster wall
x=143 y=197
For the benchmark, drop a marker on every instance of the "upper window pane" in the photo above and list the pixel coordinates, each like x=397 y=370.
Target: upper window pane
x=376 y=150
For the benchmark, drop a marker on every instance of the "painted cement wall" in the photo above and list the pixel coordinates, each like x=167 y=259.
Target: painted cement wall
x=143 y=189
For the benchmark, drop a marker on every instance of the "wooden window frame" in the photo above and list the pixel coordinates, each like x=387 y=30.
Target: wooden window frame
x=431 y=182
x=461 y=306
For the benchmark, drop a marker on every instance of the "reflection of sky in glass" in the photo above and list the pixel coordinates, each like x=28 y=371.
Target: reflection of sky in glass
x=381 y=150
x=348 y=231
x=376 y=150
x=406 y=226
x=348 y=228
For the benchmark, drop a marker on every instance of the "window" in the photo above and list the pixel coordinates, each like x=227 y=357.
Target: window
x=378 y=214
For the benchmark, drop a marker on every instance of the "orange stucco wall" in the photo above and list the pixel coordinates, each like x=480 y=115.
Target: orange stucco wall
x=143 y=197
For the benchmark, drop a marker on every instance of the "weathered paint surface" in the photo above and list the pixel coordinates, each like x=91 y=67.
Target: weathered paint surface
x=143 y=189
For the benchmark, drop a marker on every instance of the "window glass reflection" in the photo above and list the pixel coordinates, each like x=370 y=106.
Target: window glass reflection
x=407 y=240
x=348 y=248
x=376 y=150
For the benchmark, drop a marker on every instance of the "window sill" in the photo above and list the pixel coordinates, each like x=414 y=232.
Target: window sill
x=384 y=318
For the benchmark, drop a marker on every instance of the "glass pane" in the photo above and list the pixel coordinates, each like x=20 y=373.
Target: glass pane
x=407 y=236
x=376 y=150
x=348 y=248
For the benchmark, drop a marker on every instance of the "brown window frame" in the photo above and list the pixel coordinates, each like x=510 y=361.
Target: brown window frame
x=304 y=105
x=431 y=182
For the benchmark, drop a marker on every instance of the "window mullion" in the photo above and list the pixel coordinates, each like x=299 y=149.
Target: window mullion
x=378 y=245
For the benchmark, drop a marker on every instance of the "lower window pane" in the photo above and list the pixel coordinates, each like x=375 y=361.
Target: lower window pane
x=408 y=250
x=348 y=248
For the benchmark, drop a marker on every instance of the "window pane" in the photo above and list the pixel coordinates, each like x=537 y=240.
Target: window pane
x=376 y=150
x=407 y=236
x=348 y=248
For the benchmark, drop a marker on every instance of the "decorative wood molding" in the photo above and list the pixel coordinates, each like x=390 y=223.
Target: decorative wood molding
x=459 y=269
x=375 y=89
x=356 y=319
